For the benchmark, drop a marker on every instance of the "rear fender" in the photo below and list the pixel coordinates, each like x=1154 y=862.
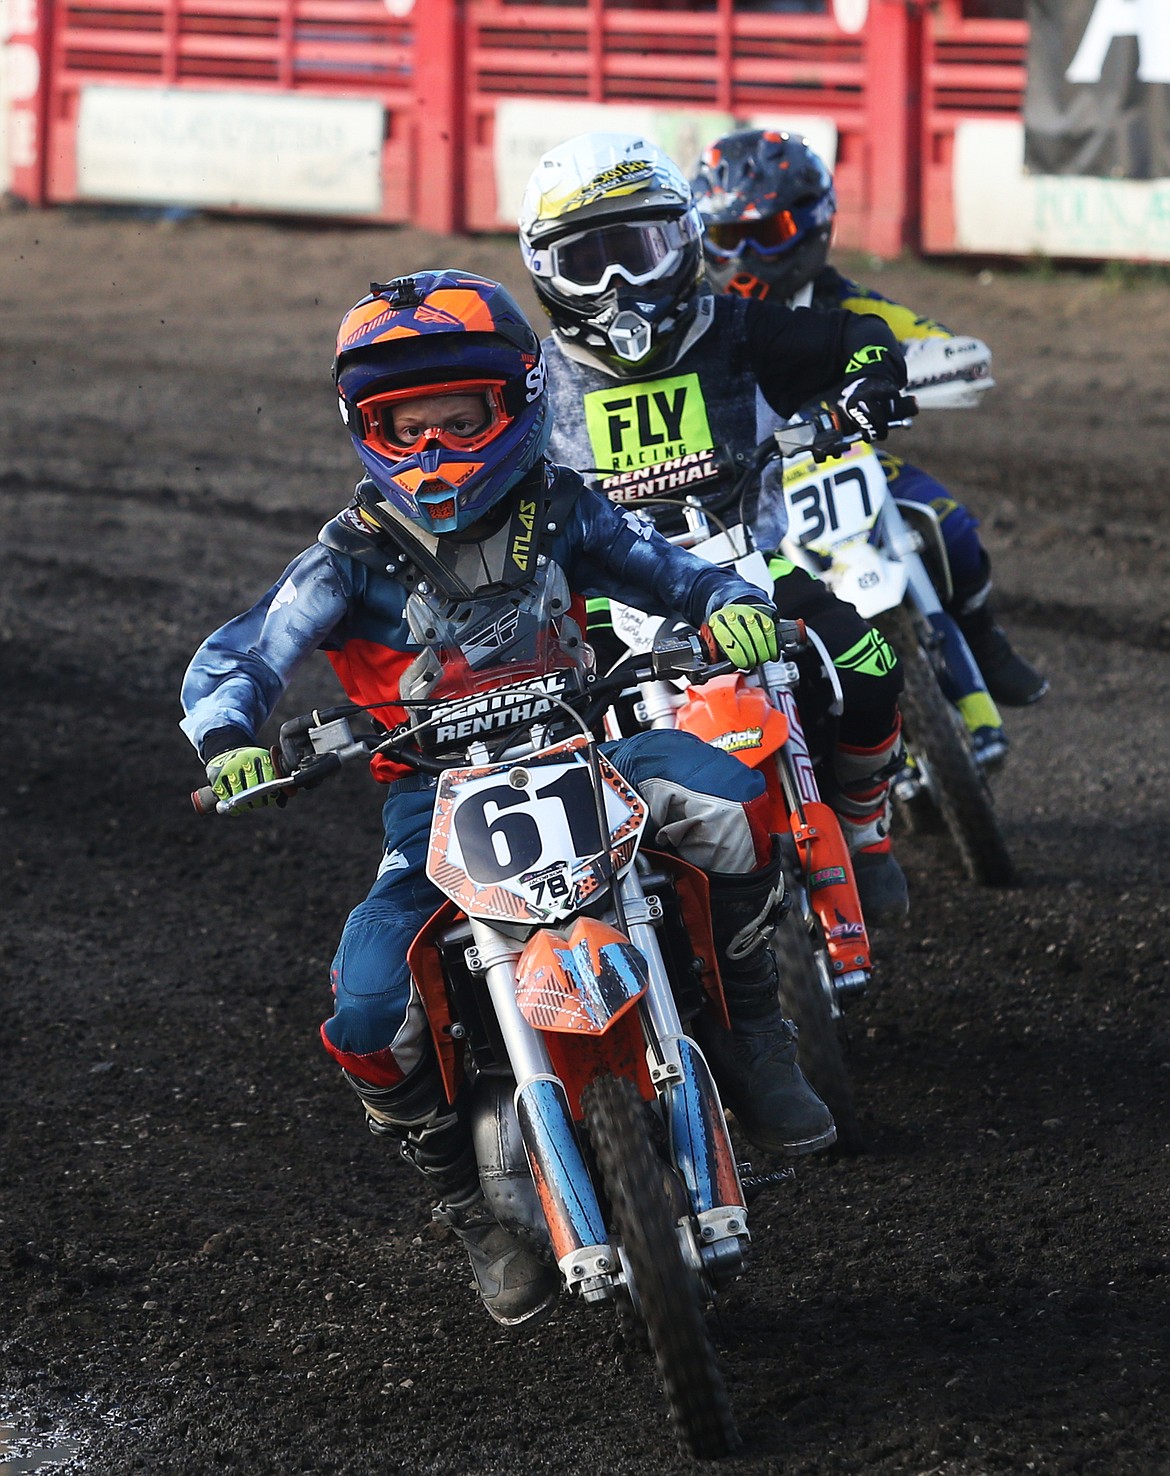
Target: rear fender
x=580 y=987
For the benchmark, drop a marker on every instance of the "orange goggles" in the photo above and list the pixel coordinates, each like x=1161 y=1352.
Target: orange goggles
x=379 y=412
x=765 y=237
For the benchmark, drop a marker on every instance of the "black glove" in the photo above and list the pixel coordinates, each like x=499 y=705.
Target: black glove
x=871 y=405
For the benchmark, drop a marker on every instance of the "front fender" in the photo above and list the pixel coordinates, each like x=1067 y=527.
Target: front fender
x=580 y=987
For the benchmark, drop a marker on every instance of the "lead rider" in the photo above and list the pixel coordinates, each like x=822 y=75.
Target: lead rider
x=441 y=383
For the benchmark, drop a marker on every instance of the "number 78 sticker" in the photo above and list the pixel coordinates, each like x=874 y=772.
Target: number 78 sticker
x=519 y=841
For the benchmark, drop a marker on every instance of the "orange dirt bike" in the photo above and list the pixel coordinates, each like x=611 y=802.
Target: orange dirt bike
x=822 y=948
x=556 y=979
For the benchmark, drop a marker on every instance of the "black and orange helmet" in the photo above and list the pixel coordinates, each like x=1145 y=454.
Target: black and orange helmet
x=442 y=333
x=767 y=203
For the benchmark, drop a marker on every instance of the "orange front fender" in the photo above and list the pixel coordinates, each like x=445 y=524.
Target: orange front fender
x=728 y=714
x=579 y=987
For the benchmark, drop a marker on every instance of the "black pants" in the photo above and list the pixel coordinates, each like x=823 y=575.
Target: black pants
x=865 y=663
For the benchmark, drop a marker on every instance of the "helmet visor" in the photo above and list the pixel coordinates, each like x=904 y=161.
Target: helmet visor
x=638 y=251
x=727 y=240
x=461 y=416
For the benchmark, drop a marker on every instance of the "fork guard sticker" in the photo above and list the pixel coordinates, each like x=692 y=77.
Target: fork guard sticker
x=830 y=876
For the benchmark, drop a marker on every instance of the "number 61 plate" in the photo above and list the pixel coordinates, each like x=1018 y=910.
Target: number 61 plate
x=519 y=842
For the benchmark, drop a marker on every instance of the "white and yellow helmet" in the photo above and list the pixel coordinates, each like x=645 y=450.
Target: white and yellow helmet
x=612 y=238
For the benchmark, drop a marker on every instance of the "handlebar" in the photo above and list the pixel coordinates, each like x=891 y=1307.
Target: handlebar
x=334 y=745
x=819 y=429
x=816 y=430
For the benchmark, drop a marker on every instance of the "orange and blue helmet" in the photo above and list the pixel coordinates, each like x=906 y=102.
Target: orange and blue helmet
x=416 y=341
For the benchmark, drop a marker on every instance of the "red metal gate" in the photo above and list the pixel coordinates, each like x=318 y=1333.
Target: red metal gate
x=325 y=48
x=974 y=68
x=895 y=91
x=723 y=62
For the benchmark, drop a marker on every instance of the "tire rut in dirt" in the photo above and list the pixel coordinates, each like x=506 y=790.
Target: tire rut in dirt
x=934 y=730
x=820 y=1048
x=667 y=1289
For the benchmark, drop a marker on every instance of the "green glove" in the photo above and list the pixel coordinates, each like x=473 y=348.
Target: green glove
x=238 y=769
x=746 y=634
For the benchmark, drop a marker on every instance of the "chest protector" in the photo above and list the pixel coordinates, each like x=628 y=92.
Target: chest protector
x=682 y=435
x=481 y=612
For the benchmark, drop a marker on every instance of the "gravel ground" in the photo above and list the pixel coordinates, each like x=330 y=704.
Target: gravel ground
x=206 y=1264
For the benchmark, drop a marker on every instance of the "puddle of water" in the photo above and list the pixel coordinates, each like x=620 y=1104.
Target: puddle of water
x=21 y=1454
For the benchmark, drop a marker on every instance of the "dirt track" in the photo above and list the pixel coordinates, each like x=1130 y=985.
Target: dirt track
x=206 y=1264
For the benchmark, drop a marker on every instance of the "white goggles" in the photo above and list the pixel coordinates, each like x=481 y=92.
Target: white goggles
x=636 y=251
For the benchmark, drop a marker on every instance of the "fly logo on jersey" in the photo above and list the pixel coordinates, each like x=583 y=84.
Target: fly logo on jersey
x=285 y=595
x=643 y=424
x=638 y=523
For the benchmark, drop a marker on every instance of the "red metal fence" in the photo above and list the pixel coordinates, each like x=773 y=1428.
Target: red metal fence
x=720 y=59
x=973 y=67
x=894 y=91
x=345 y=48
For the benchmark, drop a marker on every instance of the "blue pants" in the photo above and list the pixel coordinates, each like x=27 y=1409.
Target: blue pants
x=704 y=804
x=959 y=526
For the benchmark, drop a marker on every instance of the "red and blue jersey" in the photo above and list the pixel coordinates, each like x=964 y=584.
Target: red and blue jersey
x=355 y=611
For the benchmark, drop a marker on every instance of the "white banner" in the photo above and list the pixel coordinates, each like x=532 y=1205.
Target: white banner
x=1001 y=209
x=261 y=151
x=527 y=129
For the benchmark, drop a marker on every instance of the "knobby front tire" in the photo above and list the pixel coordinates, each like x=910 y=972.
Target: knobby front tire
x=668 y=1294
x=936 y=734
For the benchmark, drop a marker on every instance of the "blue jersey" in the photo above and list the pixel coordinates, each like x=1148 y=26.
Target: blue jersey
x=355 y=611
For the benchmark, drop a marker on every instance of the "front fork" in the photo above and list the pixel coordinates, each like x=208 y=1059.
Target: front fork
x=700 y=1143
x=960 y=678
x=825 y=862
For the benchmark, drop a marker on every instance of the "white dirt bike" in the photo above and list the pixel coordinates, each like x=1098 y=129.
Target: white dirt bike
x=887 y=558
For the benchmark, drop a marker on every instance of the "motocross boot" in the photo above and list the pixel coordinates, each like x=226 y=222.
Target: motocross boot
x=518 y=1288
x=862 y=806
x=1010 y=679
x=754 y=1064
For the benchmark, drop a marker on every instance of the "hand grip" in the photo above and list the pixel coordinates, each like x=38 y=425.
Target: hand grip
x=791 y=635
x=204 y=800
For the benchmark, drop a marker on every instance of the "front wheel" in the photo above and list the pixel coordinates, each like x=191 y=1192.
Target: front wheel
x=937 y=738
x=806 y=997
x=666 y=1289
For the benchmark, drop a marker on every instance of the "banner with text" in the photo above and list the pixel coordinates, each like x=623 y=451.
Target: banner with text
x=1098 y=95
